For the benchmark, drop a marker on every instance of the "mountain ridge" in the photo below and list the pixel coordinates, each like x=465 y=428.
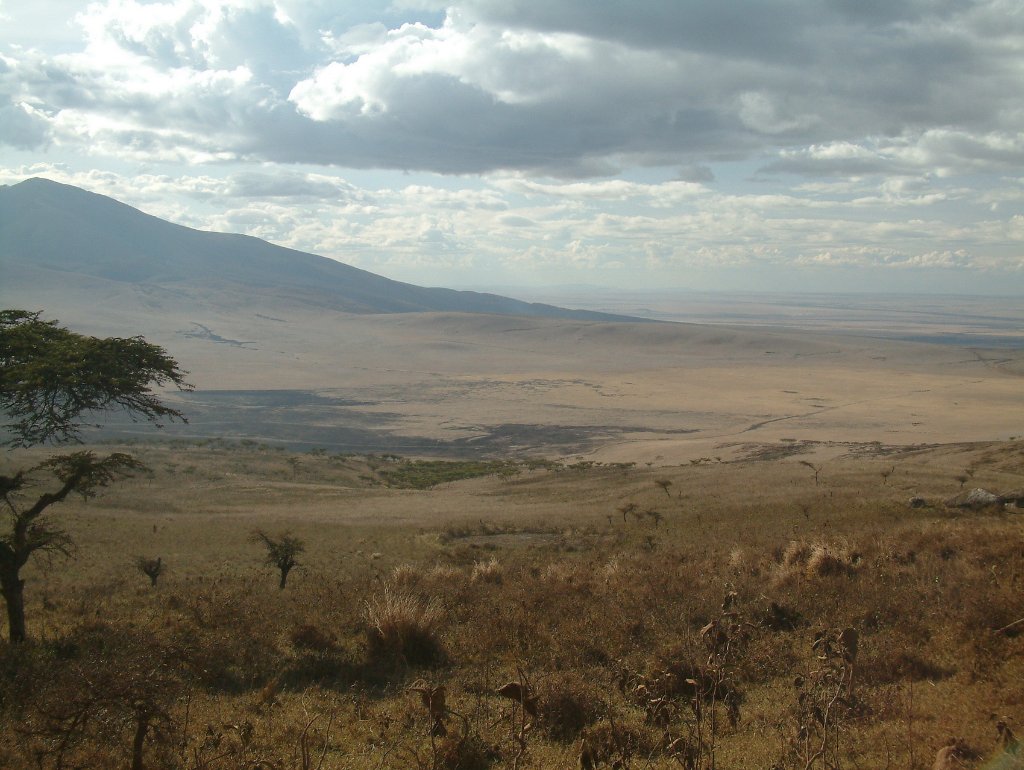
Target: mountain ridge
x=58 y=227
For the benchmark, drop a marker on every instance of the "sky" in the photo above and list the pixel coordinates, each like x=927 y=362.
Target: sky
x=781 y=145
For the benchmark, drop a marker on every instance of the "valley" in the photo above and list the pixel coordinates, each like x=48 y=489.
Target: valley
x=768 y=532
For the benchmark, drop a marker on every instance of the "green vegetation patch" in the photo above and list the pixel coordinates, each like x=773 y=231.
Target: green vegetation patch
x=425 y=474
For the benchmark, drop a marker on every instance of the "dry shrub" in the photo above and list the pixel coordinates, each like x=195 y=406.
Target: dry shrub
x=309 y=637
x=318 y=659
x=568 y=704
x=803 y=560
x=229 y=641
x=445 y=573
x=887 y=667
x=612 y=570
x=401 y=627
x=744 y=562
x=737 y=561
x=101 y=690
x=469 y=753
x=616 y=744
x=991 y=606
x=559 y=572
x=489 y=571
x=796 y=553
x=828 y=560
x=986 y=622
x=406 y=575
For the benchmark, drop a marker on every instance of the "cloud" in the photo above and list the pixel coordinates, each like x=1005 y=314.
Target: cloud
x=612 y=190
x=427 y=233
x=593 y=135
x=22 y=123
x=514 y=220
x=291 y=185
x=941 y=151
x=22 y=126
x=566 y=87
x=875 y=257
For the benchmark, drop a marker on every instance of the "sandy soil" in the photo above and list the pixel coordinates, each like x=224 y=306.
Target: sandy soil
x=645 y=392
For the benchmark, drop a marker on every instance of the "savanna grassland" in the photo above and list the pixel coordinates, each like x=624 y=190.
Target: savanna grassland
x=718 y=567
x=782 y=606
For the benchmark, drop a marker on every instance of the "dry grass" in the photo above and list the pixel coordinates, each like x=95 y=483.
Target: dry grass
x=489 y=571
x=403 y=628
x=225 y=671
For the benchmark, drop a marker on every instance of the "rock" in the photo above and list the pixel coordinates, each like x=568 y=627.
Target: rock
x=1014 y=498
x=974 y=500
x=917 y=502
x=952 y=755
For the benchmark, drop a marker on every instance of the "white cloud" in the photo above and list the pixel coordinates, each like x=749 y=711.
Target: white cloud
x=414 y=229
x=566 y=88
x=590 y=135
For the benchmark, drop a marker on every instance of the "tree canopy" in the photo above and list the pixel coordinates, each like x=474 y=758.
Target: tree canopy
x=50 y=377
x=283 y=551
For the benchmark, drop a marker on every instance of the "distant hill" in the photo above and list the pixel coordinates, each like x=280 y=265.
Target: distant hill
x=51 y=232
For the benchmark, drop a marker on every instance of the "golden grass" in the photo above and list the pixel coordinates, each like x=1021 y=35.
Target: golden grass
x=489 y=580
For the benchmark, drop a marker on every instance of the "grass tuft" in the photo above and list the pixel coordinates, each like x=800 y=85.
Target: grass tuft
x=402 y=628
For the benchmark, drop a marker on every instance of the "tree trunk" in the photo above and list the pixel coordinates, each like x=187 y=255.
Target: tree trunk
x=141 y=728
x=13 y=589
x=284 y=576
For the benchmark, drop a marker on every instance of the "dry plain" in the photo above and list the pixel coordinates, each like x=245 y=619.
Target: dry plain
x=464 y=384
x=606 y=492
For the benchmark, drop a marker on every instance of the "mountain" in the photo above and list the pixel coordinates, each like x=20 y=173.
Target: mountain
x=53 y=232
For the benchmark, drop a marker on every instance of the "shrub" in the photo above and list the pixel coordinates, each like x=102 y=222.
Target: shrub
x=828 y=559
x=615 y=744
x=309 y=637
x=889 y=667
x=469 y=753
x=445 y=572
x=814 y=560
x=406 y=575
x=401 y=627
x=487 y=572
x=108 y=696
x=567 y=706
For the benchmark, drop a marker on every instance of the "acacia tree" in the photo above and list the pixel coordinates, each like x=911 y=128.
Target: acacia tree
x=151 y=568
x=51 y=379
x=282 y=552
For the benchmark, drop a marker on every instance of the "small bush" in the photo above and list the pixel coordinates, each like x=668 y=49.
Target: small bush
x=446 y=572
x=470 y=753
x=802 y=560
x=403 y=628
x=827 y=560
x=796 y=553
x=406 y=575
x=901 y=666
x=616 y=745
x=567 y=706
x=309 y=637
x=487 y=572
x=317 y=667
x=560 y=573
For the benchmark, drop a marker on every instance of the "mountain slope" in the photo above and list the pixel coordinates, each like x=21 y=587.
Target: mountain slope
x=62 y=229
